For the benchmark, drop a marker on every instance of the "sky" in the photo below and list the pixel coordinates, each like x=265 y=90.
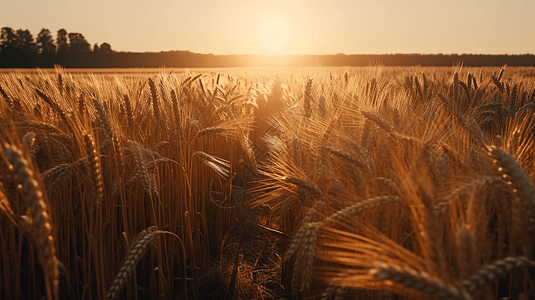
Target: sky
x=287 y=27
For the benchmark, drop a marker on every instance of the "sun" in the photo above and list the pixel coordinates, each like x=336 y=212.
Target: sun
x=274 y=33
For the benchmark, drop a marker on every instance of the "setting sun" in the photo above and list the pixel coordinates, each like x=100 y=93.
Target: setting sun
x=274 y=33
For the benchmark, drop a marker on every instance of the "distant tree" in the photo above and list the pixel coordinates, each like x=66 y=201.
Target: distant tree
x=45 y=42
x=46 y=48
x=62 y=42
x=78 y=44
x=102 y=55
x=27 y=49
x=8 y=39
x=105 y=48
x=18 y=48
x=8 y=49
x=25 y=42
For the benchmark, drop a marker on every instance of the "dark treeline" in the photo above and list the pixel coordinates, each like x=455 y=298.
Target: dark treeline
x=19 y=49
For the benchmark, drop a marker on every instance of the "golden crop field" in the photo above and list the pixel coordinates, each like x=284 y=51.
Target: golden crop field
x=295 y=183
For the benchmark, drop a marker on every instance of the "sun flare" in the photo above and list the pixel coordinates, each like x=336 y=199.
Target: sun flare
x=274 y=33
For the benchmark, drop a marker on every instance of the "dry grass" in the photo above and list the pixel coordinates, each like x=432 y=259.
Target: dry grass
x=368 y=183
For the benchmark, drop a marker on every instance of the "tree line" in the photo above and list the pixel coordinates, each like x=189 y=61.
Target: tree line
x=19 y=49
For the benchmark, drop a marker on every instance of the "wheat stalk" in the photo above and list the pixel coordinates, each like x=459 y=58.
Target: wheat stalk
x=350 y=157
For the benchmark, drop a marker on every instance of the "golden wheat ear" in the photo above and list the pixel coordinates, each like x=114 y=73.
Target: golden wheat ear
x=94 y=166
x=41 y=227
x=103 y=116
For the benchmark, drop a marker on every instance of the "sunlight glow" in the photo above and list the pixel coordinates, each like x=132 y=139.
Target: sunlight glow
x=274 y=33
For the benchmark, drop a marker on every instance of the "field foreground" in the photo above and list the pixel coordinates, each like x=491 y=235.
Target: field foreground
x=358 y=183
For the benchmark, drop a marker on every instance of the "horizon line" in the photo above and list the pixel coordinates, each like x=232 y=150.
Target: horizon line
x=328 y=54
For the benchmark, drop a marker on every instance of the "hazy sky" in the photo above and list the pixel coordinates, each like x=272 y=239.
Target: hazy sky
x=287 y=27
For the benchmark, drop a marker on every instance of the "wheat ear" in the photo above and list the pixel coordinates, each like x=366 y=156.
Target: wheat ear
x=378 y=121
x=308 y=98
x=137 y=249
x=358 y=207
x=465 y=250
x=103 y=118
x=141 y=167
x=297 y=240
x=209 y=131
x=129 y=114
x=94 y=169
x=176 y=111
x=304 y=264
x=336 y=292
x=496 y=270
x=219 y=165
x=154 y=95
x=55 y=175
x=418 y=281
x=305 y=185
x=524 y=193
x=40 y=220
x=55 y=107
x=303 y=246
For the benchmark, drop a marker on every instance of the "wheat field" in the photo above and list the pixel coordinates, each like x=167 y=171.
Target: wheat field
x=299 y=183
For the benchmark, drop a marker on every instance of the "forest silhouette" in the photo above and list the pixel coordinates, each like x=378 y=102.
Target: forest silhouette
x=19 y=49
